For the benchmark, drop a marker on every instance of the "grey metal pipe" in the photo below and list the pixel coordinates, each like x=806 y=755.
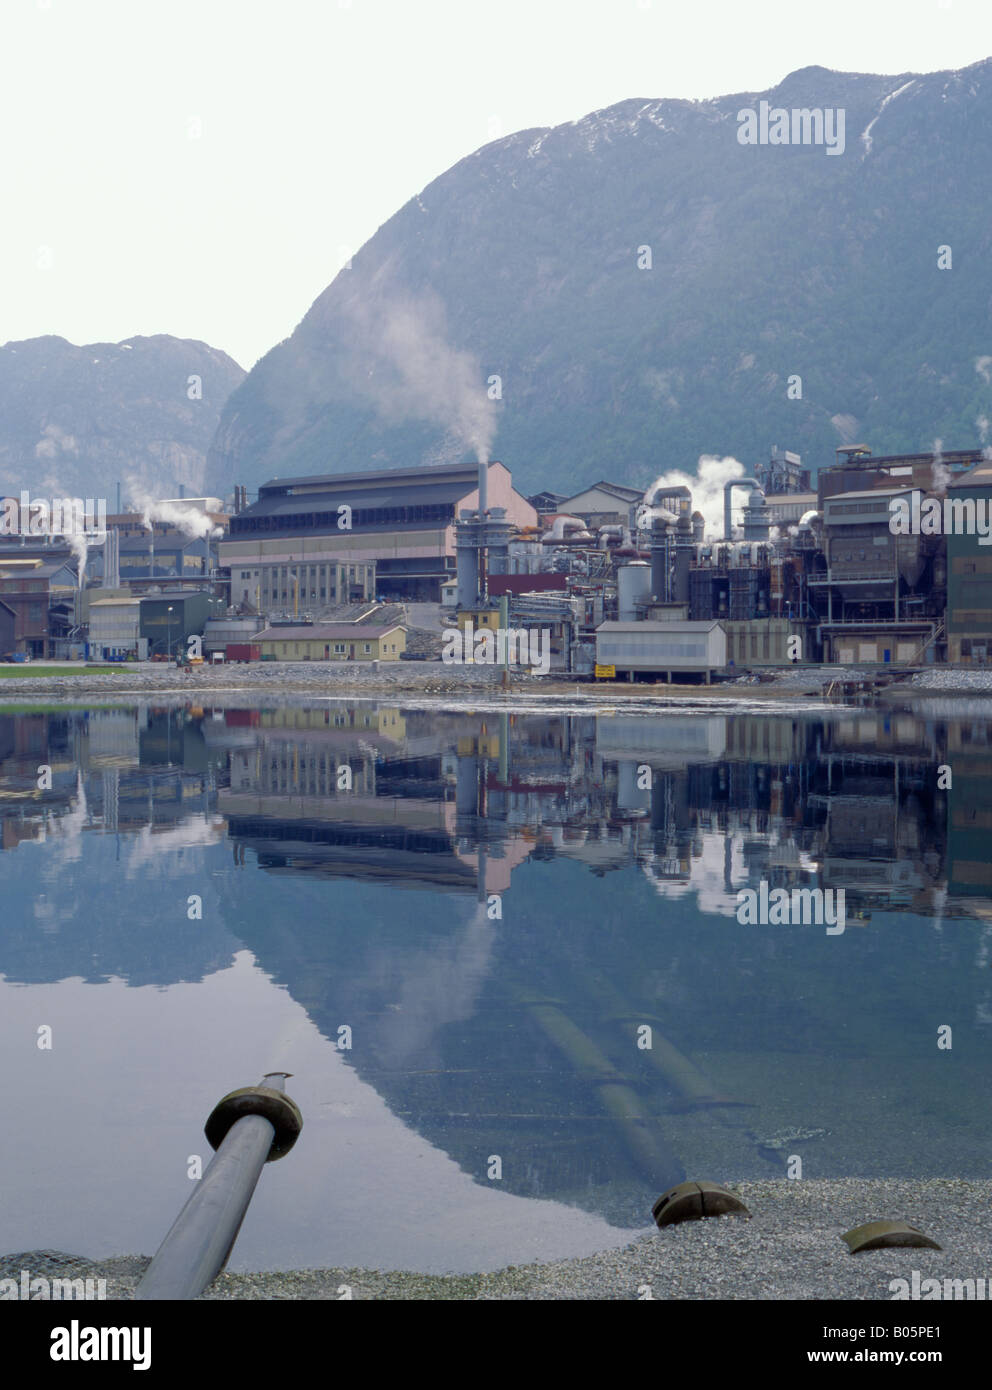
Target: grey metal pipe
x=202 y=1236
x=728 y=491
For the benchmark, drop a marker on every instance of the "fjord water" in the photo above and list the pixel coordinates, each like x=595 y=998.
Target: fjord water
x=460 y=930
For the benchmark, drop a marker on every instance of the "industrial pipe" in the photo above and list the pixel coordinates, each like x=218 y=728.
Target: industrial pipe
x=557 y=529
x=640 y=1130
x=248 y=1129
x=728 y=490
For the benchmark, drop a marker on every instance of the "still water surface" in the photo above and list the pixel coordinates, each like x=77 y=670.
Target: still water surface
x=494 y=914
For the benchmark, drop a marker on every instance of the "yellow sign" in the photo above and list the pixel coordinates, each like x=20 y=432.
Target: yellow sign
x=608 y=673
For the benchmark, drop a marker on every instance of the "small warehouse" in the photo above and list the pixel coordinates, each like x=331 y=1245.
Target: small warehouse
x=332 y=642
x=114 y=627
x=662 y=649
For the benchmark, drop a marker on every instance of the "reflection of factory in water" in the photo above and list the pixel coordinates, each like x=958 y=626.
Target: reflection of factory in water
x=700 y=800
x=516 y=1035
x=127 y=769
x=458 y=802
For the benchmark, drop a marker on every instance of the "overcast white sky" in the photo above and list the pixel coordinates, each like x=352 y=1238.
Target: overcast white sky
x=200 y=167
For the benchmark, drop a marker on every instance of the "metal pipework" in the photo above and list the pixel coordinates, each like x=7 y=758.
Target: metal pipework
x=728 y=492
x=248 y=1129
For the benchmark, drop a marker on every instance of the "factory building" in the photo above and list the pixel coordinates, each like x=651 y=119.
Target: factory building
x=879 y=597
x=969 y=577
x=8 y=626
x=42 y=595
x=115 y=625
x=783 y=474
x=167 y=622
x=348 y=537
x=333 y=642
x=604 y=504
x=858 y=470
x=669 y=648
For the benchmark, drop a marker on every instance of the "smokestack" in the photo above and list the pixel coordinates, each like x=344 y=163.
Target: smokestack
x=683 y=555
x=467 y=561
x=659 y=561
x=756 y=524
x=483 y=488
x=112 y=560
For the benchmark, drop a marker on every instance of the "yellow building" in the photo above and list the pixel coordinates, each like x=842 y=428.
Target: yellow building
x=485 y=619
x=332 y=642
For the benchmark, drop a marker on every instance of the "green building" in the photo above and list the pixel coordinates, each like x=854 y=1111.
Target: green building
x=168 y=621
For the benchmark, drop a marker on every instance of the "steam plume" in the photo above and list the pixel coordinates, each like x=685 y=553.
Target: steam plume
x=411 y=372
x=706 y=488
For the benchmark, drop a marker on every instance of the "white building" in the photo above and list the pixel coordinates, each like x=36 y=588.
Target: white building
x=662 y=648
x=114 y=624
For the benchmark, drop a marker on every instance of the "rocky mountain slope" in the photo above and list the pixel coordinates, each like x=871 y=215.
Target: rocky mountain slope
x=75 y=421
x=774 y=270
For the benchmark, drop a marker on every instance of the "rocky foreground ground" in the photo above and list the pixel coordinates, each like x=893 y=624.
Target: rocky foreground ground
x=433 y=677
x=789 y=1248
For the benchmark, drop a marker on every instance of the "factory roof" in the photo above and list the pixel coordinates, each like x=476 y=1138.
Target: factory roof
x=409 y=477
x=173 y=595
x=649 y=626
x=402 y=494
x=776 y=499
x=975 y=477
x=326 y=632
x=626 y=494
x=46 y=570
x=873 y=493
x=140 y=544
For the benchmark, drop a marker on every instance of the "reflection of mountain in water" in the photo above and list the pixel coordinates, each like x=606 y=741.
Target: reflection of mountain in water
x=520 y=1030
x=576 y=879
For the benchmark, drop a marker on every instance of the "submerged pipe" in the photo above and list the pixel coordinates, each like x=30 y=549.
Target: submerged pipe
x=248 y=1128
x=640 y=1130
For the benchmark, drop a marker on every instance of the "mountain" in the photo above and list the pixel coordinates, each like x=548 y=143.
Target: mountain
x=768 y=262
x=75 y=421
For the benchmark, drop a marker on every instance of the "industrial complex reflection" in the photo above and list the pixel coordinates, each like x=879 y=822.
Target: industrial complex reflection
x=498 y=905
x=456 y=802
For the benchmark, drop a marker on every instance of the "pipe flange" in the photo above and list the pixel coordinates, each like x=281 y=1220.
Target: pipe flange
x=281 y=1112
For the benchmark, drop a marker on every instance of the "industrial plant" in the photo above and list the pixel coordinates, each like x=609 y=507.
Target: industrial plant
x=682 y=581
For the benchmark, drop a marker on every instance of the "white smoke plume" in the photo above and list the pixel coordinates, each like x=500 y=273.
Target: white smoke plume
x=411 y=371
x=982 y=423
x=645 y=515
x=706 y=488
x=940 y=474
x=79 y=547
x=189 y=520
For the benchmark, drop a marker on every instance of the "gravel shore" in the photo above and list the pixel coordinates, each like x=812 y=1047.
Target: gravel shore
x=358 y=680
x=432 y=677
x=790 y=1248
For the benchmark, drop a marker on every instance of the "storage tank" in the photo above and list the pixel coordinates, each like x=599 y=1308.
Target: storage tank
x=633 y=587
